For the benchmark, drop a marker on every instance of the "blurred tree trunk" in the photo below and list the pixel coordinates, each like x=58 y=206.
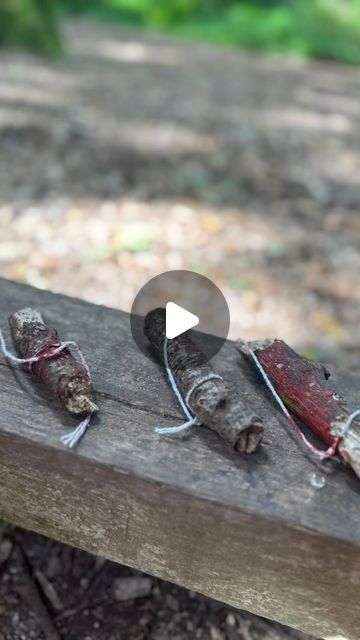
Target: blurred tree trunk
x=30 y=24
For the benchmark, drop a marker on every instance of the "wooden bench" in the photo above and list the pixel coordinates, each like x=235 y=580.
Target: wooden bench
x=253 y=532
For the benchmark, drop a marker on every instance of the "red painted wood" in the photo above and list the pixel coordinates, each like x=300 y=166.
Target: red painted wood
x=303 y=387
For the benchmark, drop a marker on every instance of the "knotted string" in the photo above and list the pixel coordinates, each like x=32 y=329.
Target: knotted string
x=323 y=455
x=72 y=438
x=192 y=420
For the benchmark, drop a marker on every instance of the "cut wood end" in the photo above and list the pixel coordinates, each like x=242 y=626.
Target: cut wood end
x=349 y=447
x=80 y=398
x=81 y=404
x=24 y=316
x=20 y=318
x=244 y=347
x=250 y=438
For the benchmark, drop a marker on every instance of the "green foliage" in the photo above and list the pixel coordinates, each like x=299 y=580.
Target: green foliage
x=331 y=29
x=249 y=26
x=155 y=13
x=317 y=28
x=30 y=24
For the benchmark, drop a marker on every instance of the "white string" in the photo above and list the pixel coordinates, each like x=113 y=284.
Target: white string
x=192 y=419
x=269 y=383
x=349 y=422
x=72 y=438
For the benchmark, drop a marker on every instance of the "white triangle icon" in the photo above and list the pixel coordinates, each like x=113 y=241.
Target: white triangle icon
x=178 y=320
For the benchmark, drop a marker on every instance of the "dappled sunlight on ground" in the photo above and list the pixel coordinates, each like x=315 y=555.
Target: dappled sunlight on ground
x=240 y=167
x=106 y=251
x=114 y=50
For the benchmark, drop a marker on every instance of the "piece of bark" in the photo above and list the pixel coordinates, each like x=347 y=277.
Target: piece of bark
x=303 y=387
x=63 y=374
x=211 y=401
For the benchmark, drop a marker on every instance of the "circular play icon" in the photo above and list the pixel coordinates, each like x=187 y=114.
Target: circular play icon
x=192 y=303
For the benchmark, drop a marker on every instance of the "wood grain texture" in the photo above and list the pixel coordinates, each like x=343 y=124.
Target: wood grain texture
x=251 y=531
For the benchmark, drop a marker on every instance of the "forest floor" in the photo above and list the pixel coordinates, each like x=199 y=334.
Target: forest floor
x=50 y=591
x=136 y=155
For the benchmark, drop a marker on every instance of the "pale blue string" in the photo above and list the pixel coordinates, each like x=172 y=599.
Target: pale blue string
x=349 y=422
x=72 y=438
x=192 y=419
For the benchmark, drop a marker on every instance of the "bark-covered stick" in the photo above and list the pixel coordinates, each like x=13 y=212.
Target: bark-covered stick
x=303 y=387
x=64 y=375
x=211 y=401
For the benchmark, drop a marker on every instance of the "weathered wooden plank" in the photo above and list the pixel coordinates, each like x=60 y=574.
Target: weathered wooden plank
x=251 y=531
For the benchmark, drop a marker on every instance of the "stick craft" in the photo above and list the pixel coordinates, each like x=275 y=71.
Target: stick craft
x=201 y=392
x=300 y=386
x=52 y=361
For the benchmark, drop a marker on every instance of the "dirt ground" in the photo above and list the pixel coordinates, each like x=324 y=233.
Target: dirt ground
x=136 y=155
x=54 y=592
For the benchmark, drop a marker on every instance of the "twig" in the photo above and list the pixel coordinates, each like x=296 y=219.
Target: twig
x=66 y=377
x=211 y=400
x=35 y=600
x=48 y=590
x=302 y=386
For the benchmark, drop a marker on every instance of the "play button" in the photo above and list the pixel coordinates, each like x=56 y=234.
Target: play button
x=190 y=300
x=178 y=320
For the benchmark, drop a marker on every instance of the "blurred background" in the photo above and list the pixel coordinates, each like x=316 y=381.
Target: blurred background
x=131 y=147
x=219 y=136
